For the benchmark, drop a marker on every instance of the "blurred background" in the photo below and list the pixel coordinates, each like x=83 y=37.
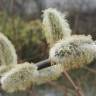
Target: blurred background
x=21 y=22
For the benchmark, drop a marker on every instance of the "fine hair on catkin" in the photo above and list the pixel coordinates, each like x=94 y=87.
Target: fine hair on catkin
x=8 y=56
x=72 y=52
x=21 y=77
x=55 y=26
x=7 y=51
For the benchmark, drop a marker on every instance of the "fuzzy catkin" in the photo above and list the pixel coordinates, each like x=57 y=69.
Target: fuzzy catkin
x=22 y=76
x=55 y=26
x=49 y=74
x=19 y=78
x=7 y=51
x=4 y=69
x=71 y=52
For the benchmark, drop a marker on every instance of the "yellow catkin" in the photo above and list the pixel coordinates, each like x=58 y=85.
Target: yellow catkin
x=72 y=52
x=7 y=51
x=55 y=26
x=19 y=78
x=49 y=74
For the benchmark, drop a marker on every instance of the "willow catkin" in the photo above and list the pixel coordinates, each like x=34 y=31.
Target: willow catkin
x=55 y=26
x=7 y=51
x=22 y=76
x=49 y=74
x=19 y=78
x=71 y=52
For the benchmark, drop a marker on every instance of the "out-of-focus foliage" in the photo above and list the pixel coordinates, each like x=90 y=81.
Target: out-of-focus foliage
x=25 y=35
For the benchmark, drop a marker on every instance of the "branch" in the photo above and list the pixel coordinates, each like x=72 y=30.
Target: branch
x=43 y=64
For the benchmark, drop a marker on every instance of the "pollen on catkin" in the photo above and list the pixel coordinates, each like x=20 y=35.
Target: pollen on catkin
x=19 y=78
x=49 y=74
x=71 y=52
x=7 y=51
x=55 y=26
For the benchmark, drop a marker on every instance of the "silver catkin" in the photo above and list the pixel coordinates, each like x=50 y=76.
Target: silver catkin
x=19 y=78
x=71 y=52
x=7 y=51
x=55 y=26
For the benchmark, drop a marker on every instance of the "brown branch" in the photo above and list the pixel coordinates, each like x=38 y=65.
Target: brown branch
x=90 y=69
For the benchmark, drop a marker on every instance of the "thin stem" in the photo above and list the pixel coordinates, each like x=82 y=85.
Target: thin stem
x=90 y=69
x=79 y=92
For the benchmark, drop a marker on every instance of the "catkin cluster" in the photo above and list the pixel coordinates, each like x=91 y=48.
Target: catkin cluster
x=66 y=51
x=71 y=51
x=16 y=77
